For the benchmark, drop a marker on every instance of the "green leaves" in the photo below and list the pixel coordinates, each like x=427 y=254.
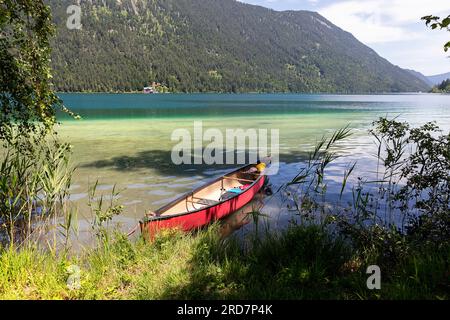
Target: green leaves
x=27 y=100
x=100 y=214
x=447 y=46
x=434 y=22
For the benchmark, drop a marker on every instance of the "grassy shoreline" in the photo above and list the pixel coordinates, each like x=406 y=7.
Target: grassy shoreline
x=303 y=262
x=324 y=254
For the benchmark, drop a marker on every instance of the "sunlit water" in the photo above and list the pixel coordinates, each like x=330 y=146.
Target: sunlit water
x=125 y=140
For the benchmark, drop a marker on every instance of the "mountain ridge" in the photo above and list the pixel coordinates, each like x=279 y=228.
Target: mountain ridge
x=438 y=78
x=214 y=45
x=421 y=76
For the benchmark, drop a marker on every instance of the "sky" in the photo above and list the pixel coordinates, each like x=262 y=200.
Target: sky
x=391 y=27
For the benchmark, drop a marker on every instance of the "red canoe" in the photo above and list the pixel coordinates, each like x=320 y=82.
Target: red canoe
x=206 y=204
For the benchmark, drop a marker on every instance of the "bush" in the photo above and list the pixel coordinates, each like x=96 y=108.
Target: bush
x=404 y=214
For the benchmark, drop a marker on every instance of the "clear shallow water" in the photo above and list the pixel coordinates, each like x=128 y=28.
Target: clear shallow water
x=126 y=139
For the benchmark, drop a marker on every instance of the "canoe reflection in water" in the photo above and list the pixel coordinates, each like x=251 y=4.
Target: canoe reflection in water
x=242 y=217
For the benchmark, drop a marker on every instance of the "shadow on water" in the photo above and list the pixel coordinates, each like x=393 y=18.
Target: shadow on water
x=161 y=161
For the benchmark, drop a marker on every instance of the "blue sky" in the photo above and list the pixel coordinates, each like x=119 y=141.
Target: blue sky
x=391 y=27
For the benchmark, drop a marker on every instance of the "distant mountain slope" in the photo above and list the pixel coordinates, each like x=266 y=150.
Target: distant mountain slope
x=214 y=45
x=437 y=79
x=421 y=77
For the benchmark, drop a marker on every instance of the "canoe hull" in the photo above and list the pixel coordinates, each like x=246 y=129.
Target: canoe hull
x=201 y=218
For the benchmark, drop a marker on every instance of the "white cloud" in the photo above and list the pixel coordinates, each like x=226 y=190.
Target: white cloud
x=426 y=55
x=375 y=21
x=394 y=29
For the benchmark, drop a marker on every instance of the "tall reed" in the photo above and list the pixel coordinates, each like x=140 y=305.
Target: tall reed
x=35 y=178
x=406 y=205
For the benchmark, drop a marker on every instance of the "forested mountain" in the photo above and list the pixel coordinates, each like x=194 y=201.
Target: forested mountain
x=438 y=78
x=421 y=76
x=214 y=45
x=443 y=87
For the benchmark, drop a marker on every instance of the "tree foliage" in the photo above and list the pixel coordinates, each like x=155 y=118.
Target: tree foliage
x=215 y=45
x=443 y=87
x=436 y=22
x=27 y=100
x=404 y=209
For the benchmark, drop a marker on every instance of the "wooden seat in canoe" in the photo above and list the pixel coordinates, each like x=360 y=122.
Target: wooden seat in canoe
x=205 y=202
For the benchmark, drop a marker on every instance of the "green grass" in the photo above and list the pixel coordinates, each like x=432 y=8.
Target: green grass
x=304 y=262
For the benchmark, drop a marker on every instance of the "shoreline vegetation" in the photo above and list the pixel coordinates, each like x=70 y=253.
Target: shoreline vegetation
x=303 y=262
x=250 y=92
x=443 y=87
x=401 y=224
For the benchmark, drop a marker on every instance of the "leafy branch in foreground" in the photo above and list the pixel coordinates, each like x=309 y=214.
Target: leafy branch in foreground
x=436 y=22
x=27 y=99
x=405 y=208
x=35 y=174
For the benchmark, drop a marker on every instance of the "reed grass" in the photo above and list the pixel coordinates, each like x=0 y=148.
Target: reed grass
x=323 y=257
x=303 y=262
x=35 y=178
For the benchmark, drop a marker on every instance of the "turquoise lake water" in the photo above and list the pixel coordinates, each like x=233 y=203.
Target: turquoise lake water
x=125 y=139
